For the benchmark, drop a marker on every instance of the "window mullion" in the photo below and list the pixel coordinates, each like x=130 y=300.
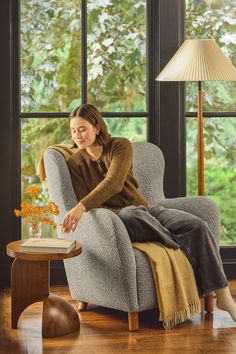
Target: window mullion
x=84 y=50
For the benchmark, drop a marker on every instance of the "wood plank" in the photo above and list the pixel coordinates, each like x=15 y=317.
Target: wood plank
x=105 y=331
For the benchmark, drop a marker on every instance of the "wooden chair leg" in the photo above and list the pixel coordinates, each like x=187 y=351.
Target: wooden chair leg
x=202 y=300
x=209 y=306
x=133 y=321
x=82 y=306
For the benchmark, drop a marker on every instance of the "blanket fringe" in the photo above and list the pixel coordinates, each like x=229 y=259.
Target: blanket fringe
x=180 y=316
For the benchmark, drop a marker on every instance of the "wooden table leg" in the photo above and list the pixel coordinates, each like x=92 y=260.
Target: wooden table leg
x=29 y=284
x=59 y=317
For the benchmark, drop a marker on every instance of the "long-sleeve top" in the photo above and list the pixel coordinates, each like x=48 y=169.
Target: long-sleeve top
x=107 y=182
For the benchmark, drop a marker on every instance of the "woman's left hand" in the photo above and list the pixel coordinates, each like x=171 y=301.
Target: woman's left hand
x=72 y=218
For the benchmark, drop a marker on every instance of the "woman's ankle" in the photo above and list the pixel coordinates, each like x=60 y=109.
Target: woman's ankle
x=222 y=291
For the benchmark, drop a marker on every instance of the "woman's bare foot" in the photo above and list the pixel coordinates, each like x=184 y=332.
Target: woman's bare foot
x=225 y=301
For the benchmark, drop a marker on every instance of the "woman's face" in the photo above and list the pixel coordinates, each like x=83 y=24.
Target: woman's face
x=83 y=133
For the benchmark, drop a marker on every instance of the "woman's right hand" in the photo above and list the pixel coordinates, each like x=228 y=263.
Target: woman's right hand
x=72 y=218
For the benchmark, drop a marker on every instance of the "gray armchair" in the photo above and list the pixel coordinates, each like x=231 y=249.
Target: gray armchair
x=109 y=272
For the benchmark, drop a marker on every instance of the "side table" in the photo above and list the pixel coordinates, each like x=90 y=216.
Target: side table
x=30 y=282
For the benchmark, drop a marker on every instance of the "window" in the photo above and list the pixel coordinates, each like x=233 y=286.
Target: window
x=76 y=52
x=44 y=100
x=214 y=19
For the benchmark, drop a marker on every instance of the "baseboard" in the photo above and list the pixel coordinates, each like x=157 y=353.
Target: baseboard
x=230 y=270
x=229 y=261
x=57 y=273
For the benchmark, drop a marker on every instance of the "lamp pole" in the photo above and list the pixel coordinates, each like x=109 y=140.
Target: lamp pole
x=200 y=143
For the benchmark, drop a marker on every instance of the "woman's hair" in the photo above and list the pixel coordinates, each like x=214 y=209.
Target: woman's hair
x=94 y=117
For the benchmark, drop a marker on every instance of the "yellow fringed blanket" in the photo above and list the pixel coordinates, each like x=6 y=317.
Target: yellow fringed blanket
x=177 y=294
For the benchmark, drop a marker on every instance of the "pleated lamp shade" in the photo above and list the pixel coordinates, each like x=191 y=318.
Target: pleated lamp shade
x=198 y=60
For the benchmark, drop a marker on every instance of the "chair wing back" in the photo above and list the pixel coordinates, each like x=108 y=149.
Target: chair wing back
x=148 y=169
x=59 y=182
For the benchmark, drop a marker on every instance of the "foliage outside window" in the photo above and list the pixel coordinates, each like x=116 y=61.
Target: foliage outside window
x=214 y=19
x=116 y=53
x=50 y=55
x=51 y=68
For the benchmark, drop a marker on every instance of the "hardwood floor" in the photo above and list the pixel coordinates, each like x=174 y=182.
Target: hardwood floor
x=105 y=331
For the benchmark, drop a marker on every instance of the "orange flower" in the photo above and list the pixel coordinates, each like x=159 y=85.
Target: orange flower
x=17 y=212
x=32 y=213
x=33 y=191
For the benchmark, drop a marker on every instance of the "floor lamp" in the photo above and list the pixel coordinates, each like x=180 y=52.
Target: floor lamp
x=199 y=60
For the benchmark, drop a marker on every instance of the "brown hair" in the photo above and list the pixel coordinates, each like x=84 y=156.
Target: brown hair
x=93 y=116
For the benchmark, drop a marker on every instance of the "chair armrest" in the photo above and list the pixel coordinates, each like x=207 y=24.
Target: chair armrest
x=105 y=273
x=203 y=207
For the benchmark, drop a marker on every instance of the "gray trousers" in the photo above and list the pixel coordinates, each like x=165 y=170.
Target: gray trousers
x=175 y=228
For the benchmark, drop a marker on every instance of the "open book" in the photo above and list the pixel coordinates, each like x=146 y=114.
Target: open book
x=52 y=245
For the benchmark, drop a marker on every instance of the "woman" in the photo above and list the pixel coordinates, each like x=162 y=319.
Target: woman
x=102 y=177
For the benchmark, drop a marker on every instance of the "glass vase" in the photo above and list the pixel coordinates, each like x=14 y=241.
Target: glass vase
x=36 y=231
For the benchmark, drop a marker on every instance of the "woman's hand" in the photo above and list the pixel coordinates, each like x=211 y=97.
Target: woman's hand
x=71 y=219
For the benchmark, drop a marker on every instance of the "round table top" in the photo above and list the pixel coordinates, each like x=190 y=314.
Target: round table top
x=14 y=250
